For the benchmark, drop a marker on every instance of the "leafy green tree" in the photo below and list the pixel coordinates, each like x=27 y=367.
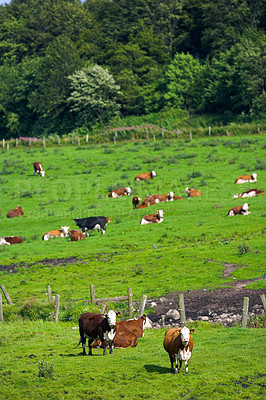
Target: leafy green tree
x=180 y=79
x=93 y=94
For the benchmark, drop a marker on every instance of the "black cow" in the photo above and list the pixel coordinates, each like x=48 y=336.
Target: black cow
x=94 y=326
x=86 y=224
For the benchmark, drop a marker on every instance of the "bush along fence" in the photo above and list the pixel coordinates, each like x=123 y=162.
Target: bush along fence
x=129 y=297
x=132 y=133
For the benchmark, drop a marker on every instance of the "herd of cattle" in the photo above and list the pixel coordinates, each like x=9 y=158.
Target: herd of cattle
x=100 y=223
x=104 y=330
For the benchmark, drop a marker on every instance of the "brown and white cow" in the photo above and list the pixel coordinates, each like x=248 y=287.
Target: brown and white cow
x=94 y=326
x=135 y=201
x=16 y=212
x=13 y=239
x=37 y=166
x=249 y=193
x=159 y=198
x=63 y=232
x=124 y=338
x=152 y=218
x=246 y=178
x=145 y=175
x=76 y=235
x=192 y=192
x=126 y=191
x=4 y=242
x=179 y=345
x=135 y=325
x=240 y=210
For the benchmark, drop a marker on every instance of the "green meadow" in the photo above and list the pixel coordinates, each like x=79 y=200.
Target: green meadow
x=186 y=251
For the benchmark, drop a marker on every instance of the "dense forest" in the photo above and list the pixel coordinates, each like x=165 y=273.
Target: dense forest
x=65 y=65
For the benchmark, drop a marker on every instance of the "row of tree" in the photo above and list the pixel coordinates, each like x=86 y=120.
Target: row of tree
x=66 y=64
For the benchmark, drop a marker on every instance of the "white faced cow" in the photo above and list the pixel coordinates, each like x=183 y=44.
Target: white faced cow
x=240 y=210
x=94 y=326
x=37 y=166
x=246 y=178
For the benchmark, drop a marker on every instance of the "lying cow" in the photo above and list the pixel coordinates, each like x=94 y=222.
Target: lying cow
x=76 y=235
x=124 y=338
x=249 y=193
x=159 y=198
x=16 y=212
x=126 y=191
x=246 y=178
x=13 y=239
x=152 y=218
x=135 y=325
x=135 y=201
x=4 y=242
x=241 y=210
x=97 y=326
x=57 y=233
x=37 y=166
x=192 y=192
x=90 y=223
x=179 y=345
x=145 y=175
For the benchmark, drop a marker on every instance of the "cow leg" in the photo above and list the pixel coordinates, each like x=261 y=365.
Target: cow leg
x=186 y=366
x=90 y=341
x=180 y=365
x=176 y=364
x=111 y=348
x=83 y=341
x=104 y=347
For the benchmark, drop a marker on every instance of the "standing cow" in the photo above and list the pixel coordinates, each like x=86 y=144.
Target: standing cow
x=37 y=166
x=179 y=345
x=94 y=326
x=89 y=223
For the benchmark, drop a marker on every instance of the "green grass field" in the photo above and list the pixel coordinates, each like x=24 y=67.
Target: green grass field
x=226 y=363
x=184 y=252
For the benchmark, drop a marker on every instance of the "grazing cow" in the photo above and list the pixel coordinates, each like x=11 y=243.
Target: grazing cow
x=179 y=345
x=126 y=191
x=135 y=325
x=124 y=338
x=3 y=241
x=63 y=232
x=152 y=218
x=246 y=178
x=192 y=192
x=13 y=239
x=16 y=212
x=97 y=326
x=135 y=201
x=38 y=168
x=241 y=210
x=76 y=235
x=249 y=193
x=86 y=224
x=145 y=175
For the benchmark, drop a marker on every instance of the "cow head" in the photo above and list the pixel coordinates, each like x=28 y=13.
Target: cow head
x=254 y=176
x=128 y=190
x=171 y=195
x=42 y=173
x=236 y=196
x=185 y=334
x=65 y=229
x=187 y=190
x=160 y=213
x=245 y=206
x=108 y=219
x=111 y=318
x=153 y=173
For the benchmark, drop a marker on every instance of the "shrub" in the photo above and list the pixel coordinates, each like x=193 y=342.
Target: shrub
x=243 y=248
x=33 y=309
x=45 y=370
x=260 y=165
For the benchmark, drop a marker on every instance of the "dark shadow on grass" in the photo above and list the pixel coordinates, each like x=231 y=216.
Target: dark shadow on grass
x=79 y=355
x=157 y=368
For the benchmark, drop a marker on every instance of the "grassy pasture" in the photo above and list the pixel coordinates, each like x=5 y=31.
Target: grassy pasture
x=194 y=232
x=224 y=365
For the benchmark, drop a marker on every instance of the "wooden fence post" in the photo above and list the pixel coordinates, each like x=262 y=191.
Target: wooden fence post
x=154 y=138
x=147 y=134
x=263 y=299
x=57 y=300
x=72 y=139
x=114 y=140
x=87 y=138
x=258 y=128
x=210 y=130
x=49 y=292
x=78 y=141
x=58 y=140
x=29 y=142
x=142 y=305
x=103 y=307
x=190 y=135
x=1 y=309
x=245 y=312
x=163 y=321
x=3 y=143
x=16 y=142
x=92 y=294
x=130 y=307
x=163 y=131
x=182 y=308
x=7 y=146
x=6 y=295
x=43 y=142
